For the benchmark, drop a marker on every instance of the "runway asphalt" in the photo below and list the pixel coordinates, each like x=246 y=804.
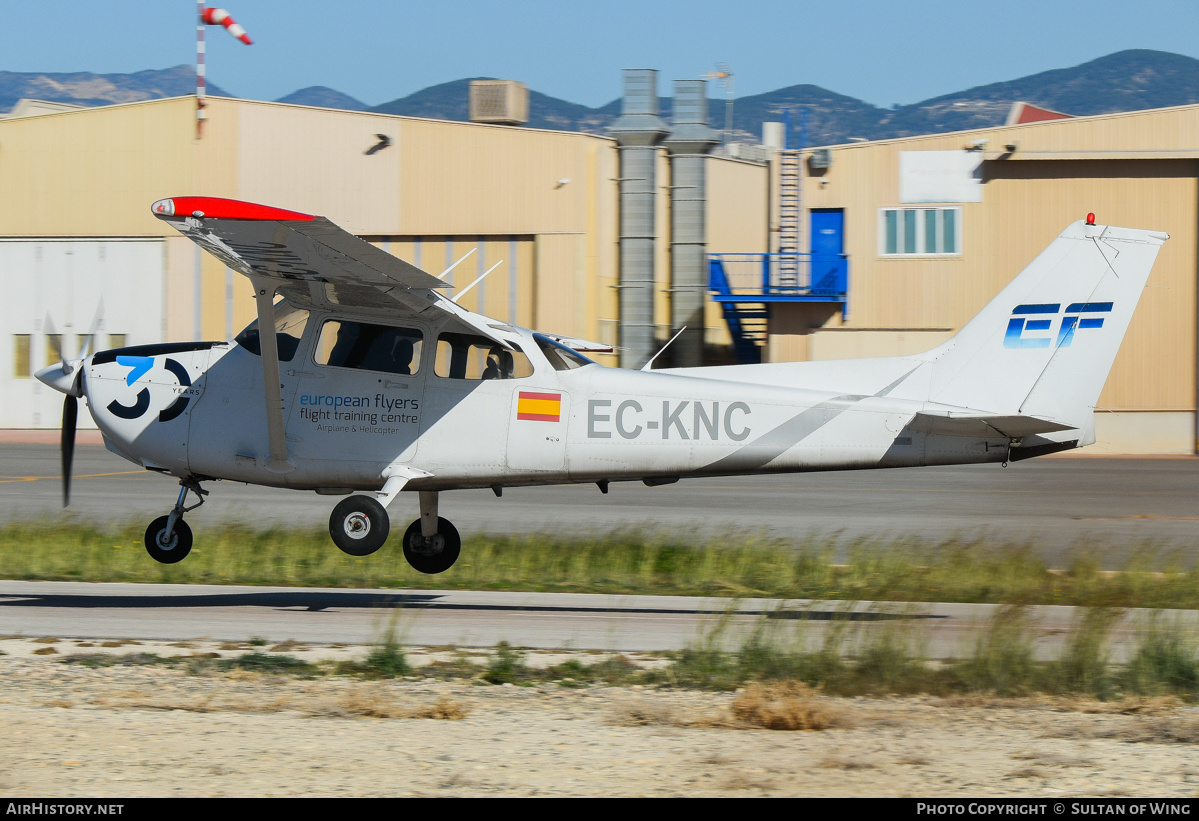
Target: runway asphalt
x=177 y=612
x=1118 y=505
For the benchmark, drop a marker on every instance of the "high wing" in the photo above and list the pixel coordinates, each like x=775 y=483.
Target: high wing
x=312 y=261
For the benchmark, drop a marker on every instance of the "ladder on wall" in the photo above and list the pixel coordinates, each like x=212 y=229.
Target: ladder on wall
x=790 y=207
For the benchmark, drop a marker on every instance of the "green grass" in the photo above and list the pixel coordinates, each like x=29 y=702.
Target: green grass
x=856 y=657
x=732 y=565
x=860 y=653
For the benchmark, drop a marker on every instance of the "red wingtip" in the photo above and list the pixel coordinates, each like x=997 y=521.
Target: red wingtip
x=220 y=208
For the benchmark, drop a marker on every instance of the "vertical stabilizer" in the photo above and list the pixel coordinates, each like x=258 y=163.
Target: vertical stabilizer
x=1044 y=346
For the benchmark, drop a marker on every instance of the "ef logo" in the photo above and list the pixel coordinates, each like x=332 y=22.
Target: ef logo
x=1032 y=326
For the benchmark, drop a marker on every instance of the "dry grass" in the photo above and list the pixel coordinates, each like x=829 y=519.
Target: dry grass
x=1163 y=730
x=444 y=709
x=786 y=705
x=648 y=713
x=377 y=702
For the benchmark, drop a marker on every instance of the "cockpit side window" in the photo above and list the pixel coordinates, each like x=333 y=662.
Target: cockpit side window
x=466 y=356
x=363 y=346
x=290 y=322
x=561 y=357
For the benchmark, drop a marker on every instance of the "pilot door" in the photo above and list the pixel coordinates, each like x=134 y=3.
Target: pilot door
x=358 y=399
x=228 y=435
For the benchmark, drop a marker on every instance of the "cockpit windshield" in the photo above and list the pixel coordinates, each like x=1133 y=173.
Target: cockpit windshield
x=561 y=357
x=289 y=330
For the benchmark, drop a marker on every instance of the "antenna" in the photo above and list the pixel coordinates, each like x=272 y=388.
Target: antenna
x=645 y=367
x=478 y=279
x=724 y=74
x=444 y=273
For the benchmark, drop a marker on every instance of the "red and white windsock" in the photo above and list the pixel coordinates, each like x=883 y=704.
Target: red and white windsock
x=220 y=17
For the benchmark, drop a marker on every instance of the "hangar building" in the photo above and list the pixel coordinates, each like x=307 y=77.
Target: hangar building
x=901 y=241
x=933 y=227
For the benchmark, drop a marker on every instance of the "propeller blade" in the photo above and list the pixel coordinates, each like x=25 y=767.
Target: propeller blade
x=89 y=342
x=55 y=340
x=70 y=411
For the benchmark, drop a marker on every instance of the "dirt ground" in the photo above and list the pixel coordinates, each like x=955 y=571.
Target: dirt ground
x=152 y=730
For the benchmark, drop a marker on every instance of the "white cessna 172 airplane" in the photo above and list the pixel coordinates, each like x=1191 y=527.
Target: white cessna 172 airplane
x=374 y=382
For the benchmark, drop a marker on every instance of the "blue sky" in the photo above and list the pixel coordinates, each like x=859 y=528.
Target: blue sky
x=880 y=52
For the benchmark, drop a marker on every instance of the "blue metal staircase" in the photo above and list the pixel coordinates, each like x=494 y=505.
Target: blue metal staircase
x=746 y=285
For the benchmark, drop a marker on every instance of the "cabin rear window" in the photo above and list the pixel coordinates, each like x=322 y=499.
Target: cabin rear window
x=369 y=347
x=465 y=356
x=289 y=330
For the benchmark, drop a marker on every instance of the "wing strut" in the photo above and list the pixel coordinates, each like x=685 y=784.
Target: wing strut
x=272 y=391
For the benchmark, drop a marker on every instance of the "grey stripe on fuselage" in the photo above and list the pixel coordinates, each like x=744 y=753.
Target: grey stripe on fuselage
x=769 y=446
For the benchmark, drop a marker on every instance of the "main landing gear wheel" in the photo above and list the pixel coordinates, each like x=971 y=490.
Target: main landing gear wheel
x=168 y=546
x=435 y=554
x=359 y=525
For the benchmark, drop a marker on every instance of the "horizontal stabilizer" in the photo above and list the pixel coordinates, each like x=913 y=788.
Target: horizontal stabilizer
x=967 y=423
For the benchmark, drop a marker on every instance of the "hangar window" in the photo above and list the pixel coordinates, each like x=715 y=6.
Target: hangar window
x=20 y=363
x=920 y=231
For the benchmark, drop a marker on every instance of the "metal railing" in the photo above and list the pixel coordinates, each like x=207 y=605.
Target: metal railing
x=778 y=277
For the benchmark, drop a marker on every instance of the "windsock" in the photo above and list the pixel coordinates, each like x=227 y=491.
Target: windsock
x=220 y=17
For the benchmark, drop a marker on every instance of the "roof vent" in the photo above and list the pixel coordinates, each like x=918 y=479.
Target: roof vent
x=499 y=101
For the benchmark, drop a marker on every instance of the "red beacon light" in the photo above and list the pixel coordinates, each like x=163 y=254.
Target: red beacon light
x=1090 y=219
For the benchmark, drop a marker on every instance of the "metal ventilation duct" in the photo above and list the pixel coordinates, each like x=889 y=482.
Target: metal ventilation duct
x=499 y=101
x=689 y=145
x=637 y=133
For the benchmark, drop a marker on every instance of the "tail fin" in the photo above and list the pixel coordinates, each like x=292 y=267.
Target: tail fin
x=1044 y=346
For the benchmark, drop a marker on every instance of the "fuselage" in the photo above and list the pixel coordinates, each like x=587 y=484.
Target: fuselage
x=545 y=416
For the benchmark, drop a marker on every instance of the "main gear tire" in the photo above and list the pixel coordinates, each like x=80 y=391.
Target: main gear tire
x=436 y=554
x=359 y=525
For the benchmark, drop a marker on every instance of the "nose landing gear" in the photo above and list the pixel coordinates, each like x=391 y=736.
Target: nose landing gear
x=168 y=538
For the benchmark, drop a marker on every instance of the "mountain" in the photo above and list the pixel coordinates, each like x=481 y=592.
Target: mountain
x=324 y=97
x=84 y=88
x=1125 y=81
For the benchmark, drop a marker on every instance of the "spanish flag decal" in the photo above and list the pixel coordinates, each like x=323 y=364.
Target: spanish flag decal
x=539 y=407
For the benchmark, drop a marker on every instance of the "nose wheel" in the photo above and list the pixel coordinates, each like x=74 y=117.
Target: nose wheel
x=166 y=544
x=169 y=538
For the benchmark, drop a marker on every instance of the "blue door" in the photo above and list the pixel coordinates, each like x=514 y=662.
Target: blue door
x=828 y=249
